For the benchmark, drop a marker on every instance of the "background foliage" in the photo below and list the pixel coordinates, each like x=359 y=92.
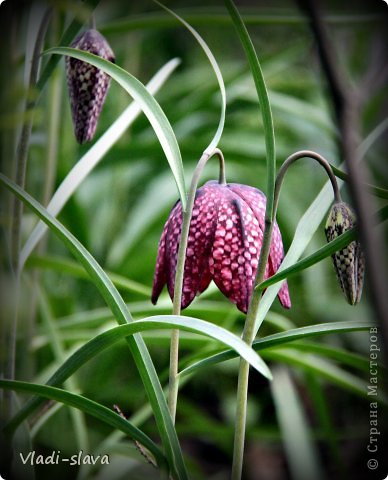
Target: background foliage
x=119 y=211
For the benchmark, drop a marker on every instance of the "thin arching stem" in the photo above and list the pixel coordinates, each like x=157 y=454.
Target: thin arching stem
x=174 y=345
x=249 y=328
x=297 y=156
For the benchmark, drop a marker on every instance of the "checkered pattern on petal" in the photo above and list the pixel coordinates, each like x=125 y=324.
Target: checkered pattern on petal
x=160 y=277
x=237 y=241
x=224 y=243
x=87 y=85
x=172 y=244
x=201 y=235
x=257 y=202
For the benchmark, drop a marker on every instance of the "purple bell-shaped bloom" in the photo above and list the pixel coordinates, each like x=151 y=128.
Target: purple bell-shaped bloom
x=224 y=243
x=87 y=84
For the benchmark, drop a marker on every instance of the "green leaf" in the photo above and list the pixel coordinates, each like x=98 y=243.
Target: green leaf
x=136 y=344
x=340 y=355
x=214 y=142
x=377 y=191
x=92 y=158
x=340 y=242
x=300 y=449
x=320 y=367
x=90 y=407
x=64 y=265
x=148 y=104
x=161 y=322
x=282 y=338
x=263 y=101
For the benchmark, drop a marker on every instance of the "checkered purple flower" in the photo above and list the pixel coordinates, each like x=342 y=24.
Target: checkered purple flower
x=87 y=85
x=224 y=243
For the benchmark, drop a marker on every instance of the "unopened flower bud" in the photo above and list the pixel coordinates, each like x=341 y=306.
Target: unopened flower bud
x=349 y=262
x=87 y=84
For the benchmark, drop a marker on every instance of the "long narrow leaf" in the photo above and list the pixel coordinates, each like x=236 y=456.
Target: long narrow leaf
x=300 y=449
x=92 y=157
x=162 y=322
x=265 y=106
x=148 y=104
x=323 y=368
x=90 y=407
x=64 y=265
x=282 y=338
x=136 y=344
x=214 y=142
x=324 y=252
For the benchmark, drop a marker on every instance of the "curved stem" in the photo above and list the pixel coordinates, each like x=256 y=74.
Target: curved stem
x=249 y=328
x=180 y=267
x=293 y=158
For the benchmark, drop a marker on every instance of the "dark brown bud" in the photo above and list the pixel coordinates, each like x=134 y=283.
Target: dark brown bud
x=87 y=84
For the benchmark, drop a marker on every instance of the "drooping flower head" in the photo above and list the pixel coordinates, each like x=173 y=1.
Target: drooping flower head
x=349 y=262
x=224 y=243
x=87 y=84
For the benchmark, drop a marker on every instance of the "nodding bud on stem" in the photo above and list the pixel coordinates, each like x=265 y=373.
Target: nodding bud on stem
x=87 y=85
x=349 y=262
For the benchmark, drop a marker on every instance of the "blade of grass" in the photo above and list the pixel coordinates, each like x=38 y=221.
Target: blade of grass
x=353 y=360
x=377 y=191
x=340 y=242
x=282 y=338
x=323 y=368
x=300 y=449
x=64 y=265
x=148 y=104
x=215 y=140
x=321 y=407
x=162 y=322
x=122 y=315
x=90 y=407
x=93 y=156
x=79 y=424
x=219 y=19
x=308 y=225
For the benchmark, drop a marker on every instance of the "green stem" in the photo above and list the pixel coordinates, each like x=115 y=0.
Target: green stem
x=15 y=233
x=22 y=149
x=297 y=156
x=249 y=328
x=180 y=267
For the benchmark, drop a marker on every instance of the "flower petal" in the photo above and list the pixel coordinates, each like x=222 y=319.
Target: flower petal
x=234 y=257
x=201 y=236
x=160 y=277
x=256 y=199
x=196 y=276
